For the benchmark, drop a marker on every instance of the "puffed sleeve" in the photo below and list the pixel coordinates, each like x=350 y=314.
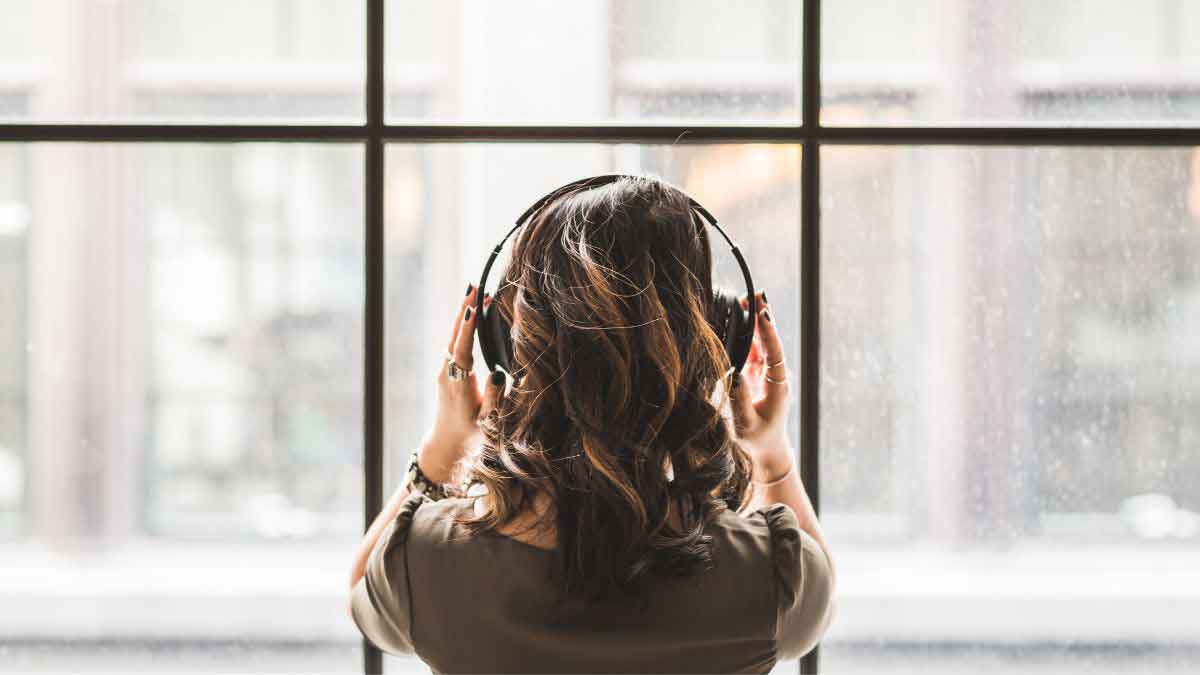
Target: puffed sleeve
x=379 y=601
x=804 y=581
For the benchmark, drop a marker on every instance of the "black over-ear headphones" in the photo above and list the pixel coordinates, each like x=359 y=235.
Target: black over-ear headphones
x=734 y=325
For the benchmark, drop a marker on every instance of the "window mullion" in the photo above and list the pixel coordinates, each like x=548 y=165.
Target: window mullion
x=810 y=271
x=373 y=315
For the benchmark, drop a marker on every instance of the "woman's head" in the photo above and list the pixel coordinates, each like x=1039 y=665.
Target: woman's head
x=611 y=414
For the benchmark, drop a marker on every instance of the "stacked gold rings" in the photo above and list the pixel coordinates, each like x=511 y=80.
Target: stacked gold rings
x=775 y=365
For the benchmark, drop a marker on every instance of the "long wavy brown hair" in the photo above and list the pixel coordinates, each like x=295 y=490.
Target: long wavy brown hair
x=613 y=411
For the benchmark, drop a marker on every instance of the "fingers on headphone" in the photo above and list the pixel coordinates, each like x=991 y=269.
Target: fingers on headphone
x=777 y=386
x=468 y=301
x=741 y=399
x=755 y=354
x=759 y=354
x=761 y=299
x=760 y=295
x=464 y=344
x=493 y=391
x=771 y=343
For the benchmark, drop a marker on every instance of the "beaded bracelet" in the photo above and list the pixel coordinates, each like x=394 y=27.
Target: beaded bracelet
x=417 y=481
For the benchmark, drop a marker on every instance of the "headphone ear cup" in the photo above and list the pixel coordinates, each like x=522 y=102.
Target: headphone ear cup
x=495 y=338
x=734 y=326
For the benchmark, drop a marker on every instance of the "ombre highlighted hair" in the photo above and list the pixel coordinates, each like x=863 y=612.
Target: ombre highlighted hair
x=614 y=411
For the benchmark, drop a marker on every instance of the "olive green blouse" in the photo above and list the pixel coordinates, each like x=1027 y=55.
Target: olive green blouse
x=490 y=603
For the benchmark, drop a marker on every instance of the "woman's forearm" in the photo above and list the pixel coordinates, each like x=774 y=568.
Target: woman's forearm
x=437 y=460
x=377 y=526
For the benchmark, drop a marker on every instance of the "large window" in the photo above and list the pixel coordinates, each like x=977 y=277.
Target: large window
x=181 y=457
x=229 y=232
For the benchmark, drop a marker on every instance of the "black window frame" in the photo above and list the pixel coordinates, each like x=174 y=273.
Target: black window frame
x=809 y=134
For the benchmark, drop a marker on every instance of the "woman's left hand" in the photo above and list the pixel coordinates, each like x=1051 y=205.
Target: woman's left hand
x=460 y=404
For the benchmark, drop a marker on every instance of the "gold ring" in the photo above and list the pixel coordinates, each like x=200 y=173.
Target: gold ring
x=455 y=372
x=768 y=379
x=776 y=364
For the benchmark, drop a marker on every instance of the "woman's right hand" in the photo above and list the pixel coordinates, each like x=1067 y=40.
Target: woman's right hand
x=760 y=406
x=460 y=405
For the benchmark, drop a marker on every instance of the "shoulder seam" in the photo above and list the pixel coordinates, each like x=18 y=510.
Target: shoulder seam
x=768 y=519
x=412 y=618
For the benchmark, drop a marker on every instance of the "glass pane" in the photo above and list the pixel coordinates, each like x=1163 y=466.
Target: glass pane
x=1009 y=430
x=448 y=206
x=594 y=61
x=181 y=60
x=180 y=382
x=14 y=228
x=946 y=61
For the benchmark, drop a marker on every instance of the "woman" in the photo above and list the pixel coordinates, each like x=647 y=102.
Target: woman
x=614 y=519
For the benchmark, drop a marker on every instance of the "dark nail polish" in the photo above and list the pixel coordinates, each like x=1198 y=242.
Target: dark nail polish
x=497 y=377
x=766 y=315
x=467 y=316
x=469 y=287
x=764 y=296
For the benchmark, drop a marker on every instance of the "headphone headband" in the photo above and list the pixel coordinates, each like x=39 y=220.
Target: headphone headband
x=597 y=181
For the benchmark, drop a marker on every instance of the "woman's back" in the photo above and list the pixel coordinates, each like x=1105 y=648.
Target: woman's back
x=467 y=602
x=645 y=404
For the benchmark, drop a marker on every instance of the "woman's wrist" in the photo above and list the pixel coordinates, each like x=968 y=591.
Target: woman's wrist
x=773 y=466
x=437 y=459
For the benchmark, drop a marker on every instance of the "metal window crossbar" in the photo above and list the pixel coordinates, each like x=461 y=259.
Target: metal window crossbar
x=1019 y=135
x=376 y=133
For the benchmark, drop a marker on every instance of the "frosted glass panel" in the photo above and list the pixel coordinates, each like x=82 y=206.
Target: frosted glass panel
x=535 y=61
x=182 y=60
x=1009 y=457
x=1076 y=62
x=180 y=406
